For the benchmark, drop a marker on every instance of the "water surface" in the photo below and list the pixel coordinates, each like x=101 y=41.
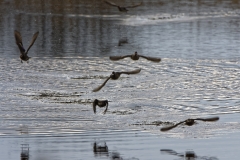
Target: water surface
x=51 y=96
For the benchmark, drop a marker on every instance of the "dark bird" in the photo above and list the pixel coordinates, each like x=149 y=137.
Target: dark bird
x=115 y=76
x=100 y=103
x=18 y=37
x=190 y=122
x=134 y=56
x=122 y=8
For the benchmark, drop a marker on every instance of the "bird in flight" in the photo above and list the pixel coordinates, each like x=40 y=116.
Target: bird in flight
x=18 y=37
x=100 y=103
x=115 y=76
x=135 y=56
x=190 y=122
x=122 y=8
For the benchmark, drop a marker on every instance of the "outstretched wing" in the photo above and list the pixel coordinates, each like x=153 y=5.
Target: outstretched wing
x=33 y=40
x=132 y=72
x=100 y=87
x=151 y=58
x=133 y=6
x=171 y=127
x=106 y=108
x=116 y=58
x=18 y=39
x=211 y=119
x=111 y=3
x=94 y=105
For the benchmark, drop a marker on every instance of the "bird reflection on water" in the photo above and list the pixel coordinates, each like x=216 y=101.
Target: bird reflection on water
x=116 y=156
x=100 y=150
x=188 y=155
x=25 y=152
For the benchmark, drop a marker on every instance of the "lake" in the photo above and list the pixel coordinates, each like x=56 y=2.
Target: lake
x=47 y=102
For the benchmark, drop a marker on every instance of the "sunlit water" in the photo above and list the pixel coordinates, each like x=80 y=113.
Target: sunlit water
x=51 y=96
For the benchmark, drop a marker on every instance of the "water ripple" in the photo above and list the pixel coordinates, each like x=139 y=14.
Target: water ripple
x=58 y=93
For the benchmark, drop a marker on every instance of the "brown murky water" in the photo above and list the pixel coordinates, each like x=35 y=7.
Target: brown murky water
x=47 y=103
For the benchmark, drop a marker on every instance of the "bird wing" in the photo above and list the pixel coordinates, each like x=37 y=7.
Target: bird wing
x=18 y=39
x=132 y=72
x=151 y=58
x=111 y=3
x=94 y=105
x=171 y=127
x=211 y=119
x=132 y=6
x=106 y=108
x=98 y=88
x=33 y=40
x=116 y=58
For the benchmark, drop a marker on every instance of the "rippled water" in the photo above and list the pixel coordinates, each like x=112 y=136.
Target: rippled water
x=51 y=96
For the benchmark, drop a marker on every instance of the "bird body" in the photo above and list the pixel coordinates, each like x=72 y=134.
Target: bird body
x=135 y=57
x=122 y=8
x=100 y=103
x=24 y=54
x=115 y=76
x=189 y=122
